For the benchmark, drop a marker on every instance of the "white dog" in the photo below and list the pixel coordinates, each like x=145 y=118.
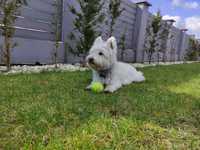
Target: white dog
x=102 y=59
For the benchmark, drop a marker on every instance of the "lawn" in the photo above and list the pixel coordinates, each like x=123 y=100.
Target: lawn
x=53 y=111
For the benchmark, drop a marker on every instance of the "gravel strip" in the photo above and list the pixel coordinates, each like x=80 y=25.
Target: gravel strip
x=45 y=68
x=71 y=68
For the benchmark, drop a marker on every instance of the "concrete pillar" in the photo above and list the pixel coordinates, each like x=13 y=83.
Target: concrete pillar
x=169 y=40
x=140 y=29
x=182 y=44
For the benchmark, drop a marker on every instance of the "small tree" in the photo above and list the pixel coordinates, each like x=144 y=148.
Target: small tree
x=122 y=44
x=86 y=22
x=10 y=10
x=193 y=53
x=152 y=42
x=114 y=11
x=56 y=26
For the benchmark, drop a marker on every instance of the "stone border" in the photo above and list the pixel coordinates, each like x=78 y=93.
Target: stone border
x=25 y=69
x=72 y=68
x=139 y=65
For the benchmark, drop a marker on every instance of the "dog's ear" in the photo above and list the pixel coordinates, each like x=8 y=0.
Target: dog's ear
x=98 y=40
x=112 y=43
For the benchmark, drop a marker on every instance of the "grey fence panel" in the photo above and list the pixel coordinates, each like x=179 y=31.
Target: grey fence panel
x=32 y=24
x=33 y=34
x=31 y=51
x=35 y=20
x=27 y=12
x=48 y=1
x=40 y=5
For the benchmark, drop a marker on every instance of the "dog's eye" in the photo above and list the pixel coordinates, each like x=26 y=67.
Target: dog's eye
x=100 y=53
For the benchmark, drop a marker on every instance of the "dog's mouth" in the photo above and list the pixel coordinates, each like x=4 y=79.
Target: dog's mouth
x=94 y=66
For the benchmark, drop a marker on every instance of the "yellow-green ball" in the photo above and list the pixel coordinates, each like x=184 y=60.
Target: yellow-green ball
x=97 y=87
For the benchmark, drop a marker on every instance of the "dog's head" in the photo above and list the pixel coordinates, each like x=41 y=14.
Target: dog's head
x=103 y=54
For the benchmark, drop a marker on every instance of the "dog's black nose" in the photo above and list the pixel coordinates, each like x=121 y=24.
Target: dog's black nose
x=91 y=60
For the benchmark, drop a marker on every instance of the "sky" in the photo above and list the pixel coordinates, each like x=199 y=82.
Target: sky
x=185 y=12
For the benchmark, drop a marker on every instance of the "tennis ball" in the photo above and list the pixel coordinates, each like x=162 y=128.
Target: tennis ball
x=97 y=87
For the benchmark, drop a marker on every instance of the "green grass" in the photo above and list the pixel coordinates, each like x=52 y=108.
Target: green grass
x=53 y=111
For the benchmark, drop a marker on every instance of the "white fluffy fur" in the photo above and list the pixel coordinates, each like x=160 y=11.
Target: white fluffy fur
x=106 y=68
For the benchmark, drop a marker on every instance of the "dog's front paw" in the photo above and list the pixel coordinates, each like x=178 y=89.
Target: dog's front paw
x=110 y=89
x=88 y=87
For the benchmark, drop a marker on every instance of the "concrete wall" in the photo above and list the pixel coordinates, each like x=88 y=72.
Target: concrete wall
x=35 y=38
x=35 y=20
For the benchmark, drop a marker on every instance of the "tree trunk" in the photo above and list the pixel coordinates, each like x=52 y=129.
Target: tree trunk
x=150 y=57
x=111 y=28
x=82 y=61
x=171 y=56
x=122 y=55
x=143 y=56
x=174 y=54
x=56 y=57
x=135 y=56
x=7 y=54
x=164 y=56
x=158 y=57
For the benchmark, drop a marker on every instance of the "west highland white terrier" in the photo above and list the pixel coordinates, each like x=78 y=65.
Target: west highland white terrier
x=102 y=59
